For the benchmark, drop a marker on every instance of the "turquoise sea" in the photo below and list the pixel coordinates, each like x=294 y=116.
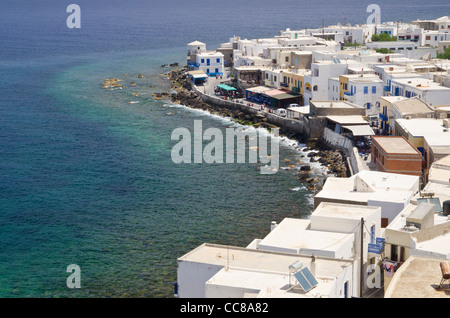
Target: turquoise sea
x=86 y=177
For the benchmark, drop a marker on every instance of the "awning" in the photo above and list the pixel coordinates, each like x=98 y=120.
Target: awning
x=197 y=74
x=226 y=87
x=348 y=120
x=360 y=130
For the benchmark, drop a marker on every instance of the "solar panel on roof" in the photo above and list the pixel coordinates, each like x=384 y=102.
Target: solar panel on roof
x=435 y=201
x=306 y=279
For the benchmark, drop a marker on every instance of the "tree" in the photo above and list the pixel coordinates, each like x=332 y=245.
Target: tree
x=445 y=55
x=383 y=37
x=383 y=51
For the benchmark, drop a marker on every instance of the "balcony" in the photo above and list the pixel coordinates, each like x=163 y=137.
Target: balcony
x=348 y=93
x=193 y=64
x=387 y=88
x=378 y=247
x=284 y=85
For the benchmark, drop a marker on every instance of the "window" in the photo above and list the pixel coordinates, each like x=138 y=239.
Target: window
x=374 y=89
x=217 y=70
x=203 y=60
x=366 y=90
x=286 y=59
x=207 y=70
x=368 y=105
x=218 y=61
x=315 y=88
x=208 y=62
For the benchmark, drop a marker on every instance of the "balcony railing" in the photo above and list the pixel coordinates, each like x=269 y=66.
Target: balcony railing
x=348 y=93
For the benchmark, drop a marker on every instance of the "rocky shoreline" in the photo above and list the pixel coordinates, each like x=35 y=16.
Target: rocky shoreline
x=333 y=160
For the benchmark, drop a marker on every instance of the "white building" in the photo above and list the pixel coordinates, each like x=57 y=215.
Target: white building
x=364 y=90
x=212 y=63
x=219 y=271
x=431 y=92
x=364 y=222
x=392 y=192
x=407 y=48
x=295 y=236
x=316 y=84
x=430 y=38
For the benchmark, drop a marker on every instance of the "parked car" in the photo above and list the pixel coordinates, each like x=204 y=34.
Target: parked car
x=281 y=112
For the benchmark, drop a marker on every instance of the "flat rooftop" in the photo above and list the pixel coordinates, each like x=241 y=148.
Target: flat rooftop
x=259 y=260
x=420 y=83
x=333 y=104
x=437 y=246
x=393 y=99
x=440 y=190
x=440 y=175
x=370 y=78
x=344 y=211
x=267 y=285
x=291 y=234
x=419 y=127
x=413 y=106
x=396 y=145
x=349 y=120
x=418 y=277
x=370 y=186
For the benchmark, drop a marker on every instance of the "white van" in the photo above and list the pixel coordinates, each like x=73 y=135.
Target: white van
x=281 y=112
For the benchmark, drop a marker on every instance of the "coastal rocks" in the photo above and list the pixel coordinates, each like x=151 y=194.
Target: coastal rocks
x=111 y=83
x=170 y=65
x=332 y=160
x=305 y=168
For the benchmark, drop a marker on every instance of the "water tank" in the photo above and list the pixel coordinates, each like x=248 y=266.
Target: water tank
x=295 y=266
x=446 y=208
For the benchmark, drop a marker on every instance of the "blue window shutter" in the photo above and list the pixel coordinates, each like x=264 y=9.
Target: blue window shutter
x=374 y=89
x=366 y=90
